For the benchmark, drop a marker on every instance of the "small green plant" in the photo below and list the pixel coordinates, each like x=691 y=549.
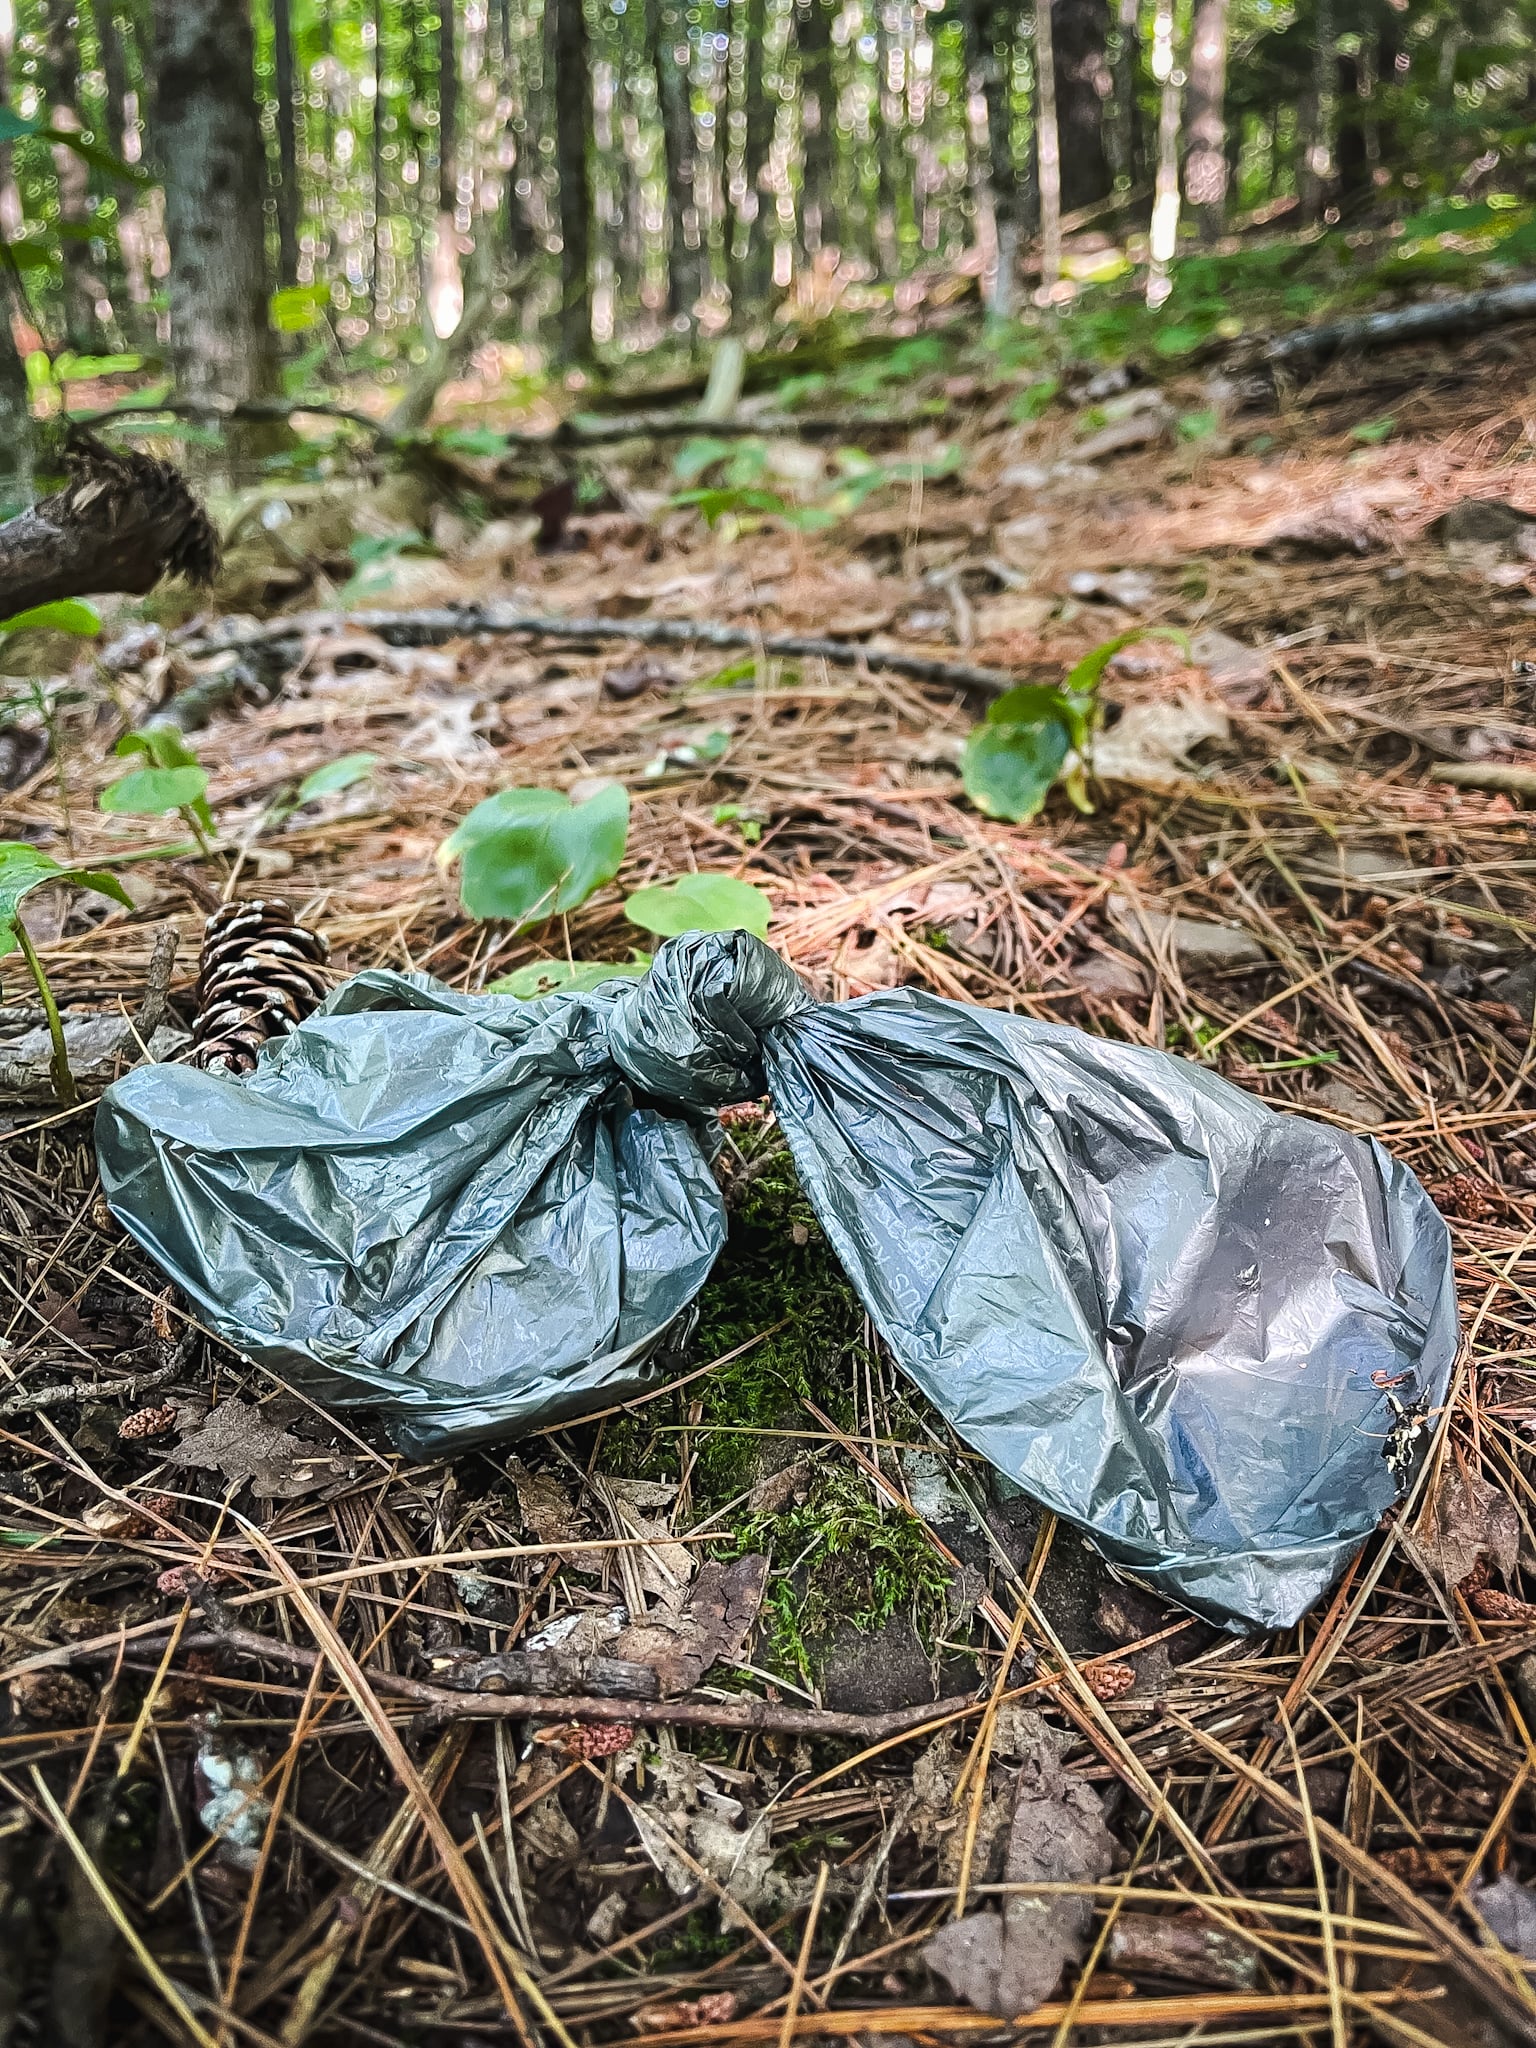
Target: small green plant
x=174 y=780
x=527 y=854
x=24 y=868
x=565 y=977
x=699 y=903
x=1037 y=735
x=1370 y=433
x=336 y=776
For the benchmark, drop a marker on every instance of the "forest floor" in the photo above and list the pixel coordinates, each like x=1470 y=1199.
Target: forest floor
x=1308 y=867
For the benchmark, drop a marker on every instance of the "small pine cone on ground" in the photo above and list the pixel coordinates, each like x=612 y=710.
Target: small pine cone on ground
x=595 y=1740
x=148 y=1422
x=1110 y=1681
x=261 y=974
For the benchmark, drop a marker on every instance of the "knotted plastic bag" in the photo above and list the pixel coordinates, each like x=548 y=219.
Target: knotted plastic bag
x=1175 y=1316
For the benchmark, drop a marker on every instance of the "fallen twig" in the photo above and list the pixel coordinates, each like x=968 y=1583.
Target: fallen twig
x=440 y=1704
x=431 y=625
x=66 y=1393
x=1470 y=312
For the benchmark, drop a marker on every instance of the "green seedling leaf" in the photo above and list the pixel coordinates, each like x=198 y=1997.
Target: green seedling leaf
x=92 y=153
x=529 y=853
x=174 y=780
x=697 y=455
x=472 y=440
x=700 y=903
x=64 y=615
x=1086 y=677
x=24 y=868
x=1371 y=432
x=337 y=775
x=1009 y=770
x=1034 y=400
x=69 y=368
x=565 y=977
x=1199 y=426
x=148 y=792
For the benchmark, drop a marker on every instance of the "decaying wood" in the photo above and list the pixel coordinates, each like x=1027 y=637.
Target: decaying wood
x=122 y=522
x=1468 y=313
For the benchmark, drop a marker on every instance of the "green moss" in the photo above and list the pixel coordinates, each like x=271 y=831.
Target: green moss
x=844 y=1561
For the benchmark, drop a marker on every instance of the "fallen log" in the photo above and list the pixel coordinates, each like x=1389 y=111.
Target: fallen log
x=122 y=522
x=1469 y=312
x=431 y=625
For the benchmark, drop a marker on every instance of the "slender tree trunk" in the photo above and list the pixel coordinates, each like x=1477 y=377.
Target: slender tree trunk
x=287 y=144
x=1165 y=201
x=1047 y=147
x=573 y=125
x=16 y=427
x=818 y=125
x=664 y=25
x=445 y=292
x=376 y=138
x=989 y=50
x=114 y=72
x=210 y=147
x=1354 y=162
x=83 y=289
x=1318 y=191
x=1080 y=35
x=1205 y=167
x=752 y=270
x=1124 y=139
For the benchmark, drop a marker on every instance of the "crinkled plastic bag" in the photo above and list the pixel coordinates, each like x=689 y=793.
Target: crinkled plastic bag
x=1178 y=1318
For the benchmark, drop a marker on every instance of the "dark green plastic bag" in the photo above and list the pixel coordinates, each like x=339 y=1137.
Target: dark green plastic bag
x=1171 y=1314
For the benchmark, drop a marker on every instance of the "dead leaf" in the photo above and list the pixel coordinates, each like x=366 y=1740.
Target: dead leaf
x=1469 y=1519
x=238 y=1442
x=1151 y=743
x=773 y=1494
x=1009 y=1963
x=712 y=1625
x=545 y=1507
x=664 y=1566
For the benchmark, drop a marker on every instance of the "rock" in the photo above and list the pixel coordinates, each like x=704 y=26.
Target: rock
x=1347 y=1102
x=1140 y=429
x=1481 y=521
x=1132 y=588
x=1198 y=943
x=1113 y=976
x=1238 y=671
x=1151 y=742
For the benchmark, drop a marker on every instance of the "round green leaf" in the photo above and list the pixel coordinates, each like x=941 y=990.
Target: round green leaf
x=164 y=745
x=529 y=853
x=1008 y=770
x=24 y=868
x=64 y=615
x=337 y=775
x=564 y=977
x=700 y=903
x=149 y=791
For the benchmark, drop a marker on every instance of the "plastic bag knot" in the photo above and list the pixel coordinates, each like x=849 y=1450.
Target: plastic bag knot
x=691 y=1031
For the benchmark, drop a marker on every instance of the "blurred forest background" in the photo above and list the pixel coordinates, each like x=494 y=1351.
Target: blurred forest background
x=228 y=202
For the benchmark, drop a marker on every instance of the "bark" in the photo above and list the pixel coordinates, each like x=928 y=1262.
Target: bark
x=447 y=112
x=1164 y=238
x=376 y=131
x=1080 y=34
x=573 y=151
x=665 y=24
x=83 y=289
x=114 y=71
x=1354 y=166
x=1205 y=166
x=1047 y=145
x=751 y=272
x=818 y=125
x=1125 y=139
x=210 y=147
x=16 y=425
x=121 y=523
x=1318 y=187
x=287 y=144
x=989 y=50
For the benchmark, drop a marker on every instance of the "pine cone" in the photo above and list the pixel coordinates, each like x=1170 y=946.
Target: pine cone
x=261 y=974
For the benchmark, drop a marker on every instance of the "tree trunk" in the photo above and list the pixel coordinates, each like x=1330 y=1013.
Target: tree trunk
x=1047 y=147
x=989 y=52
x=1164 y=240
x=1317 y=191
x=1080 y=35
x=573 y=124
x=210 y=147
x=1354 y=163
x=1205 y=167
x=83 y=290
x=287 y=144
x=751 y=272
x=664 y=25
x=1125 y=140
x=447 y=112
x=818 y=125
